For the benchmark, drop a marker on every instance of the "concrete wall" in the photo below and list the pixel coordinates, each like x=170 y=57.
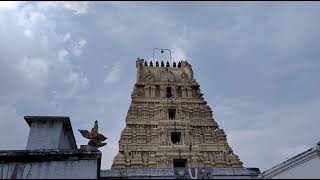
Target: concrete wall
x=309 y=169
x=182 y=173
x=50 y=132
x=44 y=135
x=80 y=169
x=51 y=153
x=65 y=139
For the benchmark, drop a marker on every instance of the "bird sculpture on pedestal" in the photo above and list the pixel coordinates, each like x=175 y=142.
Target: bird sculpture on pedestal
x=96 y=139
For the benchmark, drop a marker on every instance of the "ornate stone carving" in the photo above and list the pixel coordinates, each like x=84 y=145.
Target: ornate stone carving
x=147 y=140
x=149 y=77
x=184 y=77
x=167 y=76
x=96 y=139
x=137 y=92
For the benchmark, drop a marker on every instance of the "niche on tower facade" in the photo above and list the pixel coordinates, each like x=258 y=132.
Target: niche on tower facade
x=180 y=163
x=176 y=137
x=167 y=76
x=179 y=91
x=169 y=92
x=157 y=93
x=172 y=113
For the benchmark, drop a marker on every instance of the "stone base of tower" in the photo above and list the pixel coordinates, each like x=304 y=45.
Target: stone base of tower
x=182 y=173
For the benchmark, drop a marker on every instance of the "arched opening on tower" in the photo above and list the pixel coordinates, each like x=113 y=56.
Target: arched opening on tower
x=179 y=91
x=172 y=114
x=168 y=92
x=175 y=137
x=179 y=163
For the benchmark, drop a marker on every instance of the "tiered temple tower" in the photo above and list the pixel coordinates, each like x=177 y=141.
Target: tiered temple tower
x=169 y=124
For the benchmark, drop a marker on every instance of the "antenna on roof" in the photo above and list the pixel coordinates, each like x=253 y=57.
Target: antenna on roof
x=161 y=51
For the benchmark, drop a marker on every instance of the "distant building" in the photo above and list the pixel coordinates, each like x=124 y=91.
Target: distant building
x=302 y=166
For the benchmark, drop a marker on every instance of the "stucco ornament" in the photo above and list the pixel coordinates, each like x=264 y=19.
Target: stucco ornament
x=180 y=173
x=96 y=139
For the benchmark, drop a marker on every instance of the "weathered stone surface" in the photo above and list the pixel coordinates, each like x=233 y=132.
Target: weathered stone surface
x=50 y=164
x=95 y=138
x=50 y=132
x=183 y=173
x=51 y=153
x=168 y=120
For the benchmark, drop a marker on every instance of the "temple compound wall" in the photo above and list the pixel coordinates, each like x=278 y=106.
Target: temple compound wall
x=51 y=152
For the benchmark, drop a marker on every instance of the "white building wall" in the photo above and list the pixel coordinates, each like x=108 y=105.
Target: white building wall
x=65 y=139
x=309 y=169
x=82 y=169
x=44 y=135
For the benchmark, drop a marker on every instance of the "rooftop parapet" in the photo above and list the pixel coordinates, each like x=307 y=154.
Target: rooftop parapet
x=162 y=64
x=50 y=132
x=180 y=70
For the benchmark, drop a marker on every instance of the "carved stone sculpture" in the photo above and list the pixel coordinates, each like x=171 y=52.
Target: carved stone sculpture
x=96 y=139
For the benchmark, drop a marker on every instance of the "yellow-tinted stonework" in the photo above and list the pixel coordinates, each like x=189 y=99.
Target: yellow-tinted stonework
x=169 y=124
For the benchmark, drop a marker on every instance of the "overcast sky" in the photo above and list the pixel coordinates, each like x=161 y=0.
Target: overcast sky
x=257 y=64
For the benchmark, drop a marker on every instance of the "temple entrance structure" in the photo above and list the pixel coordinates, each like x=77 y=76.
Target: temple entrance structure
x=169 y=124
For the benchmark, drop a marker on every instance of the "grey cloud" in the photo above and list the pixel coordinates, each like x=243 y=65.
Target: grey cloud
x=257 y=132
x=256 y=64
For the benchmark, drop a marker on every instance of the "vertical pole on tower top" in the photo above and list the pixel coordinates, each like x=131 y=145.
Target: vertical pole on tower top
x=161 y=51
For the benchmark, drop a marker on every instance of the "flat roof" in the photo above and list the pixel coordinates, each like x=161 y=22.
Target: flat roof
x=31 y=119
x=12 y=156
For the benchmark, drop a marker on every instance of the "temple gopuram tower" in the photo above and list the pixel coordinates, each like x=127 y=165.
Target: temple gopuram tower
x=169 y=124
